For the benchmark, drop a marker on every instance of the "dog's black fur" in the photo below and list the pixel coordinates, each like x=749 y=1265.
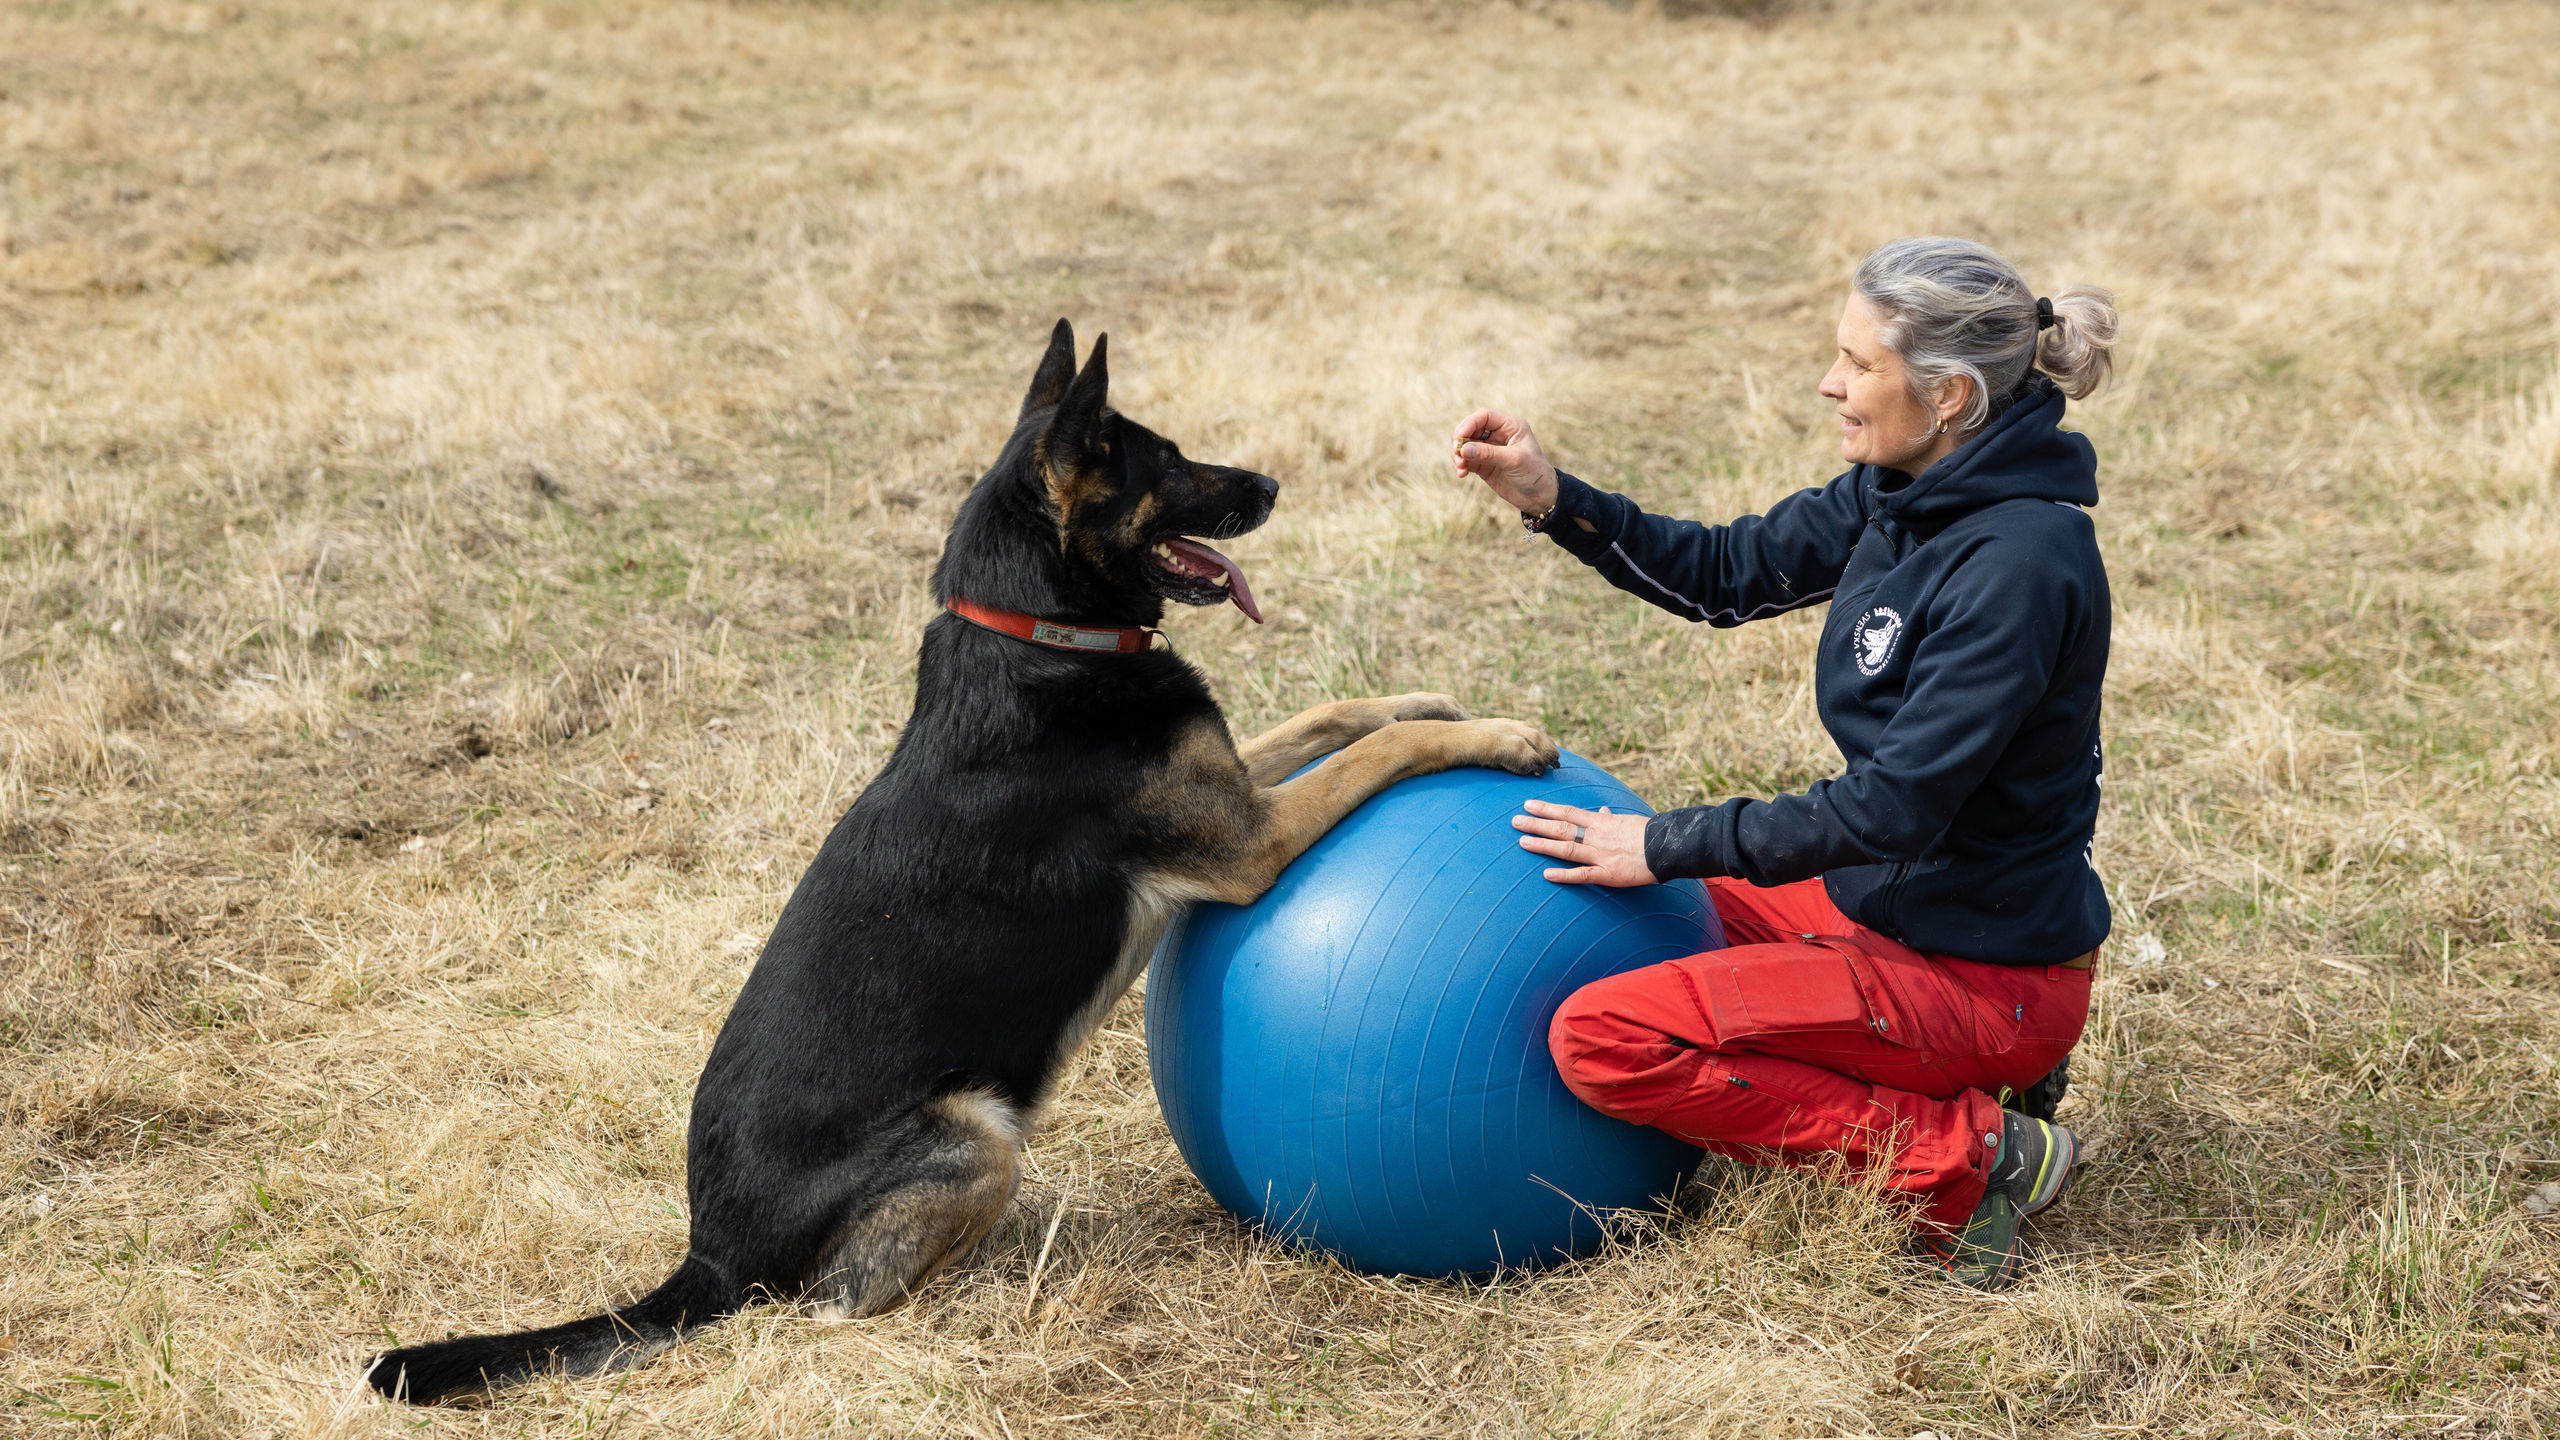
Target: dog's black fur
x=988 y=897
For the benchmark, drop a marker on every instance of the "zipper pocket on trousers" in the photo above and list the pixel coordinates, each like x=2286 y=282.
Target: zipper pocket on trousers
x=1733 y=1080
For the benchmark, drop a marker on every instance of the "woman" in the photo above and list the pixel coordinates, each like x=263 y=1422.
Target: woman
x=1912 y=939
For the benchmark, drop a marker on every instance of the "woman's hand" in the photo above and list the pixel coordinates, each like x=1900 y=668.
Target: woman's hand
x=1610 y=850
x=1499 y=450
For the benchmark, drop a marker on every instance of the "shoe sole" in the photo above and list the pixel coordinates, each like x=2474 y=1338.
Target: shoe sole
x=2060 y=1159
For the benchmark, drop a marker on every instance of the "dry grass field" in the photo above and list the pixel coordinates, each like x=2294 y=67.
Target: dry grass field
x=468 y=477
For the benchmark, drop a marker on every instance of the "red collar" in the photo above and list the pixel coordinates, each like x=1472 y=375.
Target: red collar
x=1083 y=639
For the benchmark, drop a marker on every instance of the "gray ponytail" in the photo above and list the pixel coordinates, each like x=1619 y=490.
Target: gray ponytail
x=1953 y=307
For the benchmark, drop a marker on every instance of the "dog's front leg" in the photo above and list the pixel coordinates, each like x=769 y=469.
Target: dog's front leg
x=1323 y=729
x=1297 y=814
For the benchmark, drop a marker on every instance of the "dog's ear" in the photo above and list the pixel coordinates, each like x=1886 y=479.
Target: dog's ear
x=1074 y=452
x=1057 y=370
x=1077 y=427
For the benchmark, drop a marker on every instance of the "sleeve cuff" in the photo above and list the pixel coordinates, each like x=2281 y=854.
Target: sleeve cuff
x=1692 y=844
x=1586 y=521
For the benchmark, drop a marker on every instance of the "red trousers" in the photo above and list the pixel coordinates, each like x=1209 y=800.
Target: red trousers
x=1815 y=1037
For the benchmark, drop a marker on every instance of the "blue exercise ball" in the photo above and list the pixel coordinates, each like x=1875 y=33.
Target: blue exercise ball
x=1358 y=1060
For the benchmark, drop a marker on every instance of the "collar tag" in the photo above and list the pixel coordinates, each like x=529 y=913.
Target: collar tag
x=1069 y=637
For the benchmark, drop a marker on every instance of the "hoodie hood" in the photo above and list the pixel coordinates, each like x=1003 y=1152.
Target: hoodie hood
x=2023 y=454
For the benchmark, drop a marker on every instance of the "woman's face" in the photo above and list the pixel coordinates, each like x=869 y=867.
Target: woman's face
x=1881 y=421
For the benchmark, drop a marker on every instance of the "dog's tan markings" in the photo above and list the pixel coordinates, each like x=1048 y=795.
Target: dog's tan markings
x=1200 y=806
x=1242 y=859
x=1271 y=755
x=1074 y=486
x=1155 y=899
x=957 y=1191
x=1304 y=808
x=1134 y=527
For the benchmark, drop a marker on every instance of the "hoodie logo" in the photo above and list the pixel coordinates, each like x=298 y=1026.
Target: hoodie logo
x=1875 y=634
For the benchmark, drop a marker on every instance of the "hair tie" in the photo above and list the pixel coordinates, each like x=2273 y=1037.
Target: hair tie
x=2045 y=318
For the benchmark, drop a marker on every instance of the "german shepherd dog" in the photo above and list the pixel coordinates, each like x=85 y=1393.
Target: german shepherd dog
x=1058 y=795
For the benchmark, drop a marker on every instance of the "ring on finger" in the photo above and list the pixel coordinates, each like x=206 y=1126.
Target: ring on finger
x=1578 y=833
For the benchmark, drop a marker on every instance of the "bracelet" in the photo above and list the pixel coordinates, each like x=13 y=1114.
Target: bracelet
x=1537 y=524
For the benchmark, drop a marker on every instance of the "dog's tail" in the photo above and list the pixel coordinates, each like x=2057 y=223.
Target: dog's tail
x=695 y=1296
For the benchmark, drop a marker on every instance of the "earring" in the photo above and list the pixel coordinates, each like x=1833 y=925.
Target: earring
x=1941 y=430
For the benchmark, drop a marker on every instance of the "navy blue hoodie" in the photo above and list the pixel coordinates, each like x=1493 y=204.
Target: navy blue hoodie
x=1959 y=673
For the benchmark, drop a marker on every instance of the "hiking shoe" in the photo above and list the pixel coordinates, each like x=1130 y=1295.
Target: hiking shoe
x=2028 y=1173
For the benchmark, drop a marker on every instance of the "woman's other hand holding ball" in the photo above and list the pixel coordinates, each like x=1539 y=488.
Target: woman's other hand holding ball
x=1499 y=450
x=1598 y=848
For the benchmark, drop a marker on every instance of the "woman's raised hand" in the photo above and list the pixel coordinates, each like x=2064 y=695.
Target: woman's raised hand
x=1598 y=848
x=1499 y=450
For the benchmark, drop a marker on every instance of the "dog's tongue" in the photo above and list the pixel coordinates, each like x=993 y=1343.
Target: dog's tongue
x=1209 y=561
